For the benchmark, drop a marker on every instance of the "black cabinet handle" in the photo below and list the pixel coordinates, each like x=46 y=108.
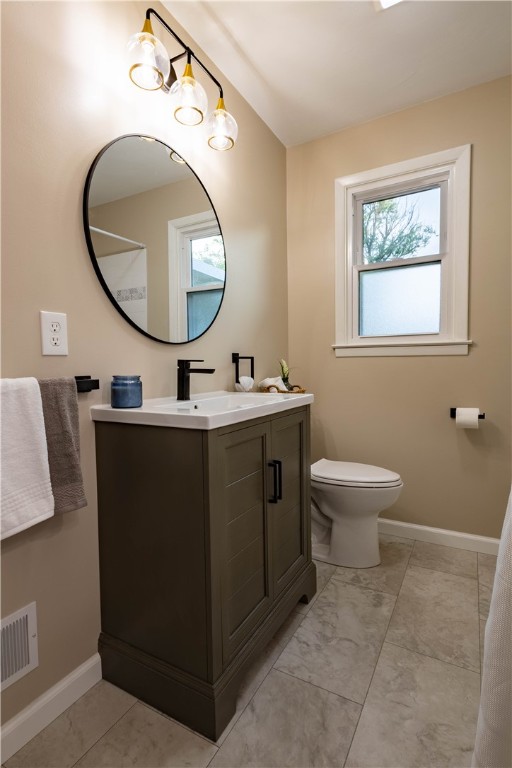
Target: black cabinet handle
x=277 y=494
x=279 y=465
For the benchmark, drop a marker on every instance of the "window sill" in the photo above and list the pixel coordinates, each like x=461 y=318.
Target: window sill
x=393 y=349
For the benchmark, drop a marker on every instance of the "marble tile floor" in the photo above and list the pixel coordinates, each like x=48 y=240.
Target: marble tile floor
x=381 y=669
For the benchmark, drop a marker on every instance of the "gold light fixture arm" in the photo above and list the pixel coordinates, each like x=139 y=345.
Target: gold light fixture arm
x=148 y=27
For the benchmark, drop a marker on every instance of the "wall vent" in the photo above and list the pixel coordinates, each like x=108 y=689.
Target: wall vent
x=19 y=644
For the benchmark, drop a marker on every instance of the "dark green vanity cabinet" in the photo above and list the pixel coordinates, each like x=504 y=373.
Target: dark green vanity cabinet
x=204 y=551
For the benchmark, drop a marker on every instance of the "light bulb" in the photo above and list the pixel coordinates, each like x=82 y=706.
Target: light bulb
x=189 y=98
x=148 y=59
x=221 y=128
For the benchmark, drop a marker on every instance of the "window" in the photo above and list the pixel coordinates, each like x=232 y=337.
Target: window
x=402 y=253
x=197 y=272
x=205 y=280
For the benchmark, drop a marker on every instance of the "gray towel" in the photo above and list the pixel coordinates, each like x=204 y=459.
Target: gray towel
x=60 y=411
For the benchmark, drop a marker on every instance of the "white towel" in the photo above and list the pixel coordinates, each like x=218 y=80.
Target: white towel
x=26 y=493
x=493 y=744
x=244 y=384
x=274 y=384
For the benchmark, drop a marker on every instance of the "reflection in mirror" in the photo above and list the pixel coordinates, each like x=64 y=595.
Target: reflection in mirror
x=154 y=239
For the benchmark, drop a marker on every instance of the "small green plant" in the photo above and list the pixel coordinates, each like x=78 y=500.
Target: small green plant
x=285 y=372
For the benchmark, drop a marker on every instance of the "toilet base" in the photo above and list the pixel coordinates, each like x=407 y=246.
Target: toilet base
x=321 y=553
x=353 y=543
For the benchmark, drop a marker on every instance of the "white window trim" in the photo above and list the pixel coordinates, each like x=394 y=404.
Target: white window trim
x=180 y=231
x=454 y=164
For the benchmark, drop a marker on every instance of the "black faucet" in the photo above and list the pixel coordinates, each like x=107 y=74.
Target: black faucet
x=184 y=371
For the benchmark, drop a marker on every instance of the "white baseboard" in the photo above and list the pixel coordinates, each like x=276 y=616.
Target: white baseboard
x=40 y=713
x=439 y=536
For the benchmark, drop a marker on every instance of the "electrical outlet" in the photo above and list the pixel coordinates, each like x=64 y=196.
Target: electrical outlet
x=54 y=333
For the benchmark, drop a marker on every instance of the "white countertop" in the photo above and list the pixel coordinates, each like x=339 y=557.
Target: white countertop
x=205 y=411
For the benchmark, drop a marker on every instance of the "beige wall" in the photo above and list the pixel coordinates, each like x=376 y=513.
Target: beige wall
x=394 y=412
x=59 y=109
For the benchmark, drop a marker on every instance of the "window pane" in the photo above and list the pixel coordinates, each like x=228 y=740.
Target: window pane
x=208 y=261
x=400 y=300
x=202 y=306
x=402 y=227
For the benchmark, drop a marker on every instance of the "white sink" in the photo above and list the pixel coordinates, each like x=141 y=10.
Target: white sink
x=217 y=404
x=206 y=411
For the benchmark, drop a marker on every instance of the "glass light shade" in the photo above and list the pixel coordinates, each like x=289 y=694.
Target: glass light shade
x=189 y=99
x=221 y=128
x=148 y=60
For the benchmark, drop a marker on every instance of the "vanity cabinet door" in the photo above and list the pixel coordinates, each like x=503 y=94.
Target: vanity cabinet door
x=246 y=588
x=289 y=528
x=263 y=486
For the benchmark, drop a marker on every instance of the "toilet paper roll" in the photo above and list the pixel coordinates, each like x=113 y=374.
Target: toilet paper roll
x=467 y=418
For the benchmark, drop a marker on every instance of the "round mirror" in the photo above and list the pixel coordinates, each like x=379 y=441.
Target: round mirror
x=154 y=238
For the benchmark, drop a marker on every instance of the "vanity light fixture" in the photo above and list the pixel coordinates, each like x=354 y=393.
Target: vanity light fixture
x=152 y=69
x=189 y=98
x=149 y=63
x=221 y=128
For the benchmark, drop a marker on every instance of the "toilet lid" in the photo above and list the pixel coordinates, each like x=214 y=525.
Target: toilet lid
x=350 y=473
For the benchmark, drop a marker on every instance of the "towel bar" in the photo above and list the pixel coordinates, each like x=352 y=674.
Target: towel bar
x=86 y=384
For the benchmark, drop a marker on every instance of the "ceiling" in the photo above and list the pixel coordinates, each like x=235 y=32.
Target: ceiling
x=313 y=67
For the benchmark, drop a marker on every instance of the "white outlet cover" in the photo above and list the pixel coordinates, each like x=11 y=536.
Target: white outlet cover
x=54 y=333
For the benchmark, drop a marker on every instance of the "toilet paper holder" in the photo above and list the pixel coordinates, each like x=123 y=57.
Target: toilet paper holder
x=453 y=412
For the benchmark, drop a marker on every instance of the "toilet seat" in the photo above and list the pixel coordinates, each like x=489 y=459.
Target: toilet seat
x=351 y=474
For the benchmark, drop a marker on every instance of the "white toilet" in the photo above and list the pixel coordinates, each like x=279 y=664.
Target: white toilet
x=346 y=499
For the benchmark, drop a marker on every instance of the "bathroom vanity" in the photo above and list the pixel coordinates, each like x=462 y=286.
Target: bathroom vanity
x=205 y=546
